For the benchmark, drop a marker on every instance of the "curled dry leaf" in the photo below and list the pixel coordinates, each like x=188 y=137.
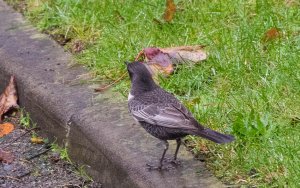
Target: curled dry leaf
x=6 y=156
x=9 y=98
x=170 y=10
x=182 y=54
x=5 y=129
x=162 y=60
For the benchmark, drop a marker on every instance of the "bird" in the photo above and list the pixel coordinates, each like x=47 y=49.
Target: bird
x=161 y=114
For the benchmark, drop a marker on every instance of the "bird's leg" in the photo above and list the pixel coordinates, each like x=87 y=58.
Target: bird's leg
x=164 y=153
x=174 y=160
x=162 y=158
x=178 y=141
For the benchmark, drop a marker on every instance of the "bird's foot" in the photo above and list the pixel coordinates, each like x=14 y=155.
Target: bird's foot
x=159 y=168
x=153 y=167
x=173 y=161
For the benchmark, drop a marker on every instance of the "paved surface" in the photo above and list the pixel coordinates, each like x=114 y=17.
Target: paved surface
x=35 y=165
x=97 y=129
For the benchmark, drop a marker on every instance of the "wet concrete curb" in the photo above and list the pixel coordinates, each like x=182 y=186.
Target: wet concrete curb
x=96 y=128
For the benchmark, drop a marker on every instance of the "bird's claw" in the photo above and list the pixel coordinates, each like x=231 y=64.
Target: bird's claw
x=153 y=167
x=159 y=168
x=173 y=161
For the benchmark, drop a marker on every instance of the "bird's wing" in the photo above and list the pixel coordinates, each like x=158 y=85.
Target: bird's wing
x=168 y=115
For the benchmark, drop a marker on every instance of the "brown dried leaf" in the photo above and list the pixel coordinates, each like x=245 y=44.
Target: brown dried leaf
x=170 y=10
x=5 y=129
x=162 y=60
x=290 y=3
x=6 y=156
x=77 y=46
x=203 y=148
x=158 y=61
x=157 y=68
x=182 y=54
x=271 y=34
x=9 y=98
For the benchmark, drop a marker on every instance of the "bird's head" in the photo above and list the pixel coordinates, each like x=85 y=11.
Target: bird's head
x=137 y=70
x=140 y=76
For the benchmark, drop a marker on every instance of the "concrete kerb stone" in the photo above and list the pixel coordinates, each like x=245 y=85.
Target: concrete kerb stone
x=96 y=128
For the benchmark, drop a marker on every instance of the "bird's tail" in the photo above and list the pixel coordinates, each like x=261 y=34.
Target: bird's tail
x=214 y=136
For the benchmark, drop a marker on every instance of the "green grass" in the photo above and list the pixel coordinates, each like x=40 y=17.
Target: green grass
x=247 y=87
x=25 y=120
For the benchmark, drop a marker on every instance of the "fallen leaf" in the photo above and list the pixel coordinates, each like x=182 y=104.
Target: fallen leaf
x=182 y=54
x=6 y=156
x=290 y=3
x=170 y=10
x=203 y=148
x=77 y=46
x=37 y=140
x=9 y=98
x=271 y=34
x=158 y=61
x=162 y=60
x=5 y=129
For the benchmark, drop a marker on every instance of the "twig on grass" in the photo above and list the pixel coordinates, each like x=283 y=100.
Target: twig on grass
x=111 y=84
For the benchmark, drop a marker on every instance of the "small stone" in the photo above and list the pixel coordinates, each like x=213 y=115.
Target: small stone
x=55 y=157
x=8 y=167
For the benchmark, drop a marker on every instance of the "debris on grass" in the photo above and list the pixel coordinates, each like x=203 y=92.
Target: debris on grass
x=163 y=60
x=272 y=34
x=170 y=10
x=105 y=87
x=77 y=46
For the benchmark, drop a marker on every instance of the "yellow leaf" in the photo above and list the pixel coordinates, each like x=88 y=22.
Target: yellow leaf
x=37 y=140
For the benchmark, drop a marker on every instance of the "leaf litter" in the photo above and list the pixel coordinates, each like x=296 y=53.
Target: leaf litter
x=9 y=98
x=164 y=60
x=25 y=164
x=25 y=160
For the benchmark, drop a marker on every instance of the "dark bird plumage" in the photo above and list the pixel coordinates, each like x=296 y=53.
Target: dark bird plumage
x=161 y=114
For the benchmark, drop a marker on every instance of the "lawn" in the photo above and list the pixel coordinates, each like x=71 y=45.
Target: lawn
x=249 y=86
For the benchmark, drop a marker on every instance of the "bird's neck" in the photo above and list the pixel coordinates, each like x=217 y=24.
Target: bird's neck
x=140 y=85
